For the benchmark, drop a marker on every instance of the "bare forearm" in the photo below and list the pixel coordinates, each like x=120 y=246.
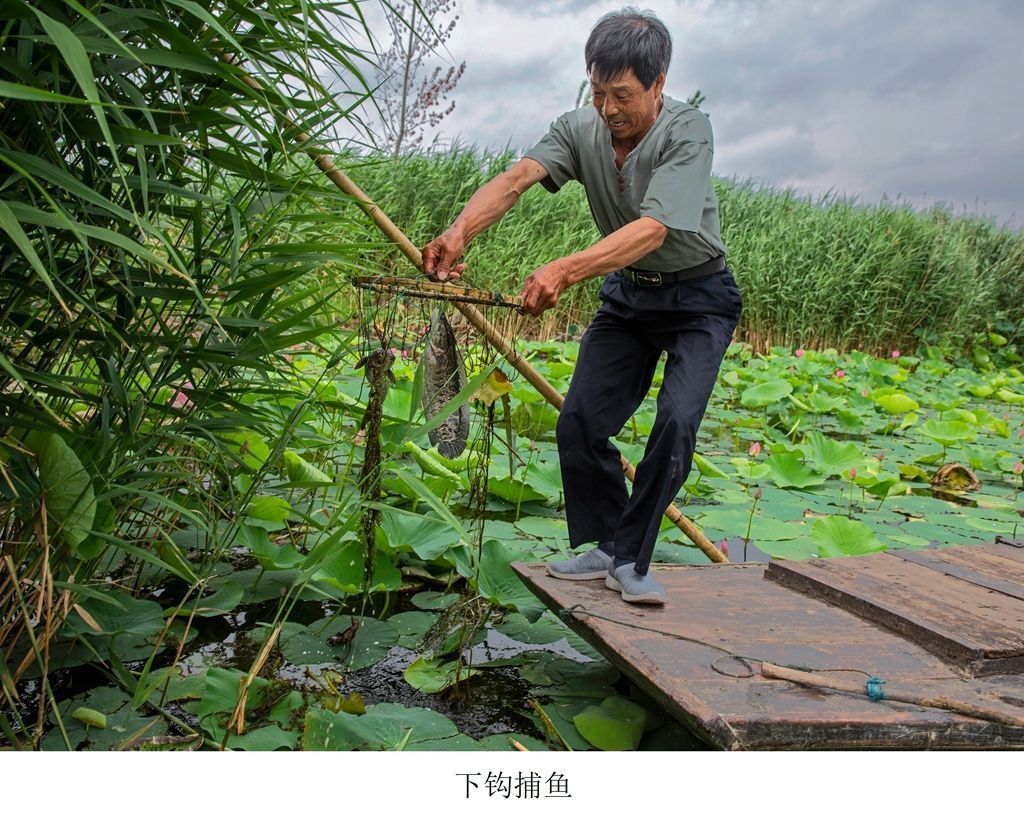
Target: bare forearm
x=623 y=247
x=486 y=206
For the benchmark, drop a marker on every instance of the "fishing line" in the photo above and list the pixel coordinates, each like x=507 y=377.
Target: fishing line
x=744 y=660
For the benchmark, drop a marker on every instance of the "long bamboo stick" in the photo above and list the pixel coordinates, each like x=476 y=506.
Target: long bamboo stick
x=892 y=693
x=476 y=319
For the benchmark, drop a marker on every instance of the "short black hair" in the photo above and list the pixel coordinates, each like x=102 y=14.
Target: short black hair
x=629 y=39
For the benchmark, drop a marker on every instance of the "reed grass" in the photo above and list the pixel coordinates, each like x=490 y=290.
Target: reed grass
x=161 y=248
x=824 y=272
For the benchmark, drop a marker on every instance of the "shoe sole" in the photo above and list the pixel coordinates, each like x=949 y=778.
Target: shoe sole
x=576 y=576
x=644 y=598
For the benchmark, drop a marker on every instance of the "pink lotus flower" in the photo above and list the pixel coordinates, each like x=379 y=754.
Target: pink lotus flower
x=840 y=373
x=895 y=354
x=754 y=450
x=757 y=493
x=852 y=473
x=800 y=352
x=792 y=369
x=881 y=456
x=864 y=392
x=1020 y=434
x=723 y=547
x=180 y=399
x=1018 y=467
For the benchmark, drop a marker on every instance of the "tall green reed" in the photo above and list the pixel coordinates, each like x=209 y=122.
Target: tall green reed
x=161 y=245
x=814 y=272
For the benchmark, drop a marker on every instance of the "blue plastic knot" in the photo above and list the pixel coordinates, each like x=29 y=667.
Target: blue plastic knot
x=876 y=691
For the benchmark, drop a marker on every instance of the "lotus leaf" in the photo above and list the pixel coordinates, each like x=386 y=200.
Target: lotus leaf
x=66 y=486
x=947 y=432
x=788 y=472
x=270 y=509
x=411 y=626
x=503 y=741
x=372 y=641
x=837 y=535
x=343 y=569
x=303 y=473
x=500 y=583
x=765 y=393
x=122 y=723
x=831 y=456
x=134 y=616
x=434 y=600
x=384 y=726
x=545 y=630
x=513 y=491
x=896 y=403
x=707 y=468
x=251 y=448
x=615 y=724
x=434 y=675
x=425 y=536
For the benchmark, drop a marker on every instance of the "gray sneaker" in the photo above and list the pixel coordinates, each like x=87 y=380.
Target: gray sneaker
x=635 y=588
x=592 y=564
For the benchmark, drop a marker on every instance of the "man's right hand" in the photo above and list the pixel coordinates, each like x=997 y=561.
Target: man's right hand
x=440 y=255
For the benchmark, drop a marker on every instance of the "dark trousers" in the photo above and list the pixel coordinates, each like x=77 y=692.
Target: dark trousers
x=693 y=322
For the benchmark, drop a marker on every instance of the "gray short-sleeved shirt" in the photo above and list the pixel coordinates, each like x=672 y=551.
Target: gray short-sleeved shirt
x=667 y=176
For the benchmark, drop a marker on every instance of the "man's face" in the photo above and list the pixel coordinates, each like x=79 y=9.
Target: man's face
x=624 y=105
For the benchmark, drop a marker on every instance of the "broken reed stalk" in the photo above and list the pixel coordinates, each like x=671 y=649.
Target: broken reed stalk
x=891 y=693
x=476 y=319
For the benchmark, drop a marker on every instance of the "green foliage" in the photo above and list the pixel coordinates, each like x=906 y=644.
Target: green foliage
x=813 y=272
x=160 y=251
x=180 y=406
x=615 y=724
x=837 y=535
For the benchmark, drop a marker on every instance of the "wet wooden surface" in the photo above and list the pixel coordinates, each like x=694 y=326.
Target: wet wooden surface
x=963 y=603
x=733 y=607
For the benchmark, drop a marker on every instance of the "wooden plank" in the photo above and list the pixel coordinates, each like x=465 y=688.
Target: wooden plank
x=971 y=564
x=674 y=653
x=1008 y=548
x=960 y=621
x=998 y=559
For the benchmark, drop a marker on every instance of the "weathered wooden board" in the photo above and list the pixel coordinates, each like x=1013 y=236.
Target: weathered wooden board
x=976 y=566
x=733 y=607
x=966 y=604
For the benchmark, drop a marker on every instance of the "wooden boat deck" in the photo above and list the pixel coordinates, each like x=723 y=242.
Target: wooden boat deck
x=942 y=621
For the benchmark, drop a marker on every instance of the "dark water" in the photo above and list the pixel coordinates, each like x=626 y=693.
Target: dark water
x=492 y=702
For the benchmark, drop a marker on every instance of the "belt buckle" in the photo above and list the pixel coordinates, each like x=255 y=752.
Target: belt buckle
x=647 y=277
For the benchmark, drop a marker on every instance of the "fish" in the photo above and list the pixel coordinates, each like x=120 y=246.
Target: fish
x=444 y=376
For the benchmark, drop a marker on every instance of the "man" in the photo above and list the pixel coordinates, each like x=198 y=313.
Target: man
x=644 y=160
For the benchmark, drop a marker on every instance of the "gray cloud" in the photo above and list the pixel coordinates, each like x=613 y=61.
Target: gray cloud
x=867 y=97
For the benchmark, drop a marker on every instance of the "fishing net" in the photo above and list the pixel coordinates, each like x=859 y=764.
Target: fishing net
x=460 y=387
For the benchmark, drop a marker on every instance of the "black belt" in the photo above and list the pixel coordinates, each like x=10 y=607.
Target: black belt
x=652 y=278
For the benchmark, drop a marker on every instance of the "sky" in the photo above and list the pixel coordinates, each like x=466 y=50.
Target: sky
x=910 y=100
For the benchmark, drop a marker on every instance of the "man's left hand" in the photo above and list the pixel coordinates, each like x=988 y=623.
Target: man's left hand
x=543 y=287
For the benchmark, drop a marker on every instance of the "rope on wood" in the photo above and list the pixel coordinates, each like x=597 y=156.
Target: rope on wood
x=423 y=288
x=892 y=693
x=809 y=676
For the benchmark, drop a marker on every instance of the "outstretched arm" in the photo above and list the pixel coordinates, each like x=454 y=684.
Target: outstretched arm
x=626 y=245
x=484 y=208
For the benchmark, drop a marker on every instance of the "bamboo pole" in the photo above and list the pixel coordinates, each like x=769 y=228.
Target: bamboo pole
x=891 y=693
x=476 y=319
